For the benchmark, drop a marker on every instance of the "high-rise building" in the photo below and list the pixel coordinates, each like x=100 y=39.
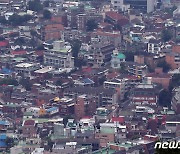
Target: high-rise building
x=146 y=6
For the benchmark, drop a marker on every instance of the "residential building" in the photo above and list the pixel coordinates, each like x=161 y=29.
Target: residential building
x=159 y=78
x=116 y=19
x=117 y=59
x=113 y=37
x=103 y=96
x=173 y=59
x=154 y=46
x=27 y=69
x=52 y=31
x=29 y=129
x=136 y=69
x=101 y=53
x=120 y=5
x=176 y=100
x=119 y=84
x=84 y=106
x=71 y=147
x=60 y=56
x=145 y=94
x=145 y=6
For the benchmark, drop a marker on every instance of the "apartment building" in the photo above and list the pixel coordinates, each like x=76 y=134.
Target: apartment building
x=60 y=56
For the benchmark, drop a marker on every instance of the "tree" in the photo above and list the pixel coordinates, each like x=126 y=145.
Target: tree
x=58 y=82
x=175 y=82
x=166 y=35
x=165 y=98
x=65 y=119
x=35 y=5
x=25 y=82
x=3 y=20
x=79 y=62
x=165 y=66
x=2 y=38
x=9 y=142
x=91 y=25
x=9 y=81
x=170 y=10
x=46 y=3
x=129 y=56
x=20 y=41
x=47 y=14
x=16 y=20
x=75 y=45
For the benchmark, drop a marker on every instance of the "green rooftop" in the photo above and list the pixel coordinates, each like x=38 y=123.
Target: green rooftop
x=28 y=114
x=104 y=151
x=39 y=120
x=18 y=59
x=121 y=56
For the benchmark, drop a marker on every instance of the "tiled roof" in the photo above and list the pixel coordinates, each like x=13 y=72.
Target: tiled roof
x=118 y=119
x=3 y=43
x=20 y=52
x=29 y=123
x=115 y=16
x=176 y=48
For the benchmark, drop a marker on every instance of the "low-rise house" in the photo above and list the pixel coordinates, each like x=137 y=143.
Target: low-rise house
x=119 y=84
x=52 y=111
x=117 y=59
x=29 y=129
x=52 y=31
x=159 y=78
x=176 y=100
x=113 y=37
x=103 y=96
x=26 y=69
x=136 y=69
x=173 y=59
x=84 y=106
x=145 y=94
x=71 y=147
x=109 y=132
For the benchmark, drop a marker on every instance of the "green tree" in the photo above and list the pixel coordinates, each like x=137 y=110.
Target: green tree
x=79 y=62
x=16 y=20
x=91 y=25
x=58 y=82
x=165 y=98
x=166 y=35
x=165 y=66
x=3 y=20
x=25 y=82
x=35 y=5
x=9 y=81
x=129 y=56
x=2 y=38
x=47 y=14
x=46 y=3
x=175 y=82
x=20 y=41
x=75 y=45
x=170 y=10
x=9 y=142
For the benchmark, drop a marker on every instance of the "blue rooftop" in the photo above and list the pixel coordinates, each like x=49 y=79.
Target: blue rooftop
x=52 y=109
x=88 y=81
x=6 y=71
x=3 y=136
x=2 y=144
x=4 y=122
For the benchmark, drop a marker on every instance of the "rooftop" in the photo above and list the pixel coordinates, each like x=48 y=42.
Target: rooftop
x=25 y=65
